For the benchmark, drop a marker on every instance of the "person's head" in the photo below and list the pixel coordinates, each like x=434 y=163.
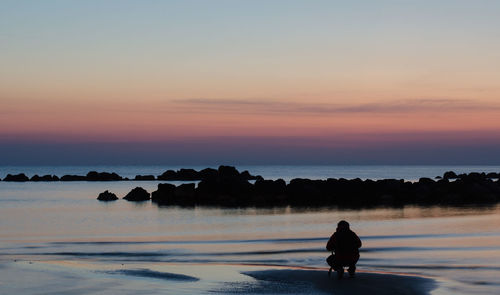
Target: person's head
x=342 y=225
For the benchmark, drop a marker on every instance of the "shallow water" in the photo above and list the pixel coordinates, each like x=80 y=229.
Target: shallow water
x=60 y=232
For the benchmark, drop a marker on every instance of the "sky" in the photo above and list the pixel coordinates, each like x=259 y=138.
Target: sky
x=249 y=82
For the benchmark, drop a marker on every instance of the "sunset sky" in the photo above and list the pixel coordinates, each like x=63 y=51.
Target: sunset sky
x=264 y=82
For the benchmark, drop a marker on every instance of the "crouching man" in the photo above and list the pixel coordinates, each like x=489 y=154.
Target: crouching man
x=345 y=243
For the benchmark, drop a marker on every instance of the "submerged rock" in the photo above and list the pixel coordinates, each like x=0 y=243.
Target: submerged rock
x=107 y=196
x=137 y=194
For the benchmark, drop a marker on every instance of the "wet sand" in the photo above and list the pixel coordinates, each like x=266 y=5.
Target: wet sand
x=84 y=277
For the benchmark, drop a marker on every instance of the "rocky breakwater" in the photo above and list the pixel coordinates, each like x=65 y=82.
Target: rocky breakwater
x=169 y=175
x=230 y=188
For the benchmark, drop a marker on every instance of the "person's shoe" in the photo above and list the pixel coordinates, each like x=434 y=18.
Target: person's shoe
x=330 y=272
x=352 y=271
x=340 y=273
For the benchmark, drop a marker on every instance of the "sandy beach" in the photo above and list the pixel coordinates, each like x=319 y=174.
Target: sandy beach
x=84 y=277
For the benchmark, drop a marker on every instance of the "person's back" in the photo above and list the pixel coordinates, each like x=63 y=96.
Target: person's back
x=345 y=243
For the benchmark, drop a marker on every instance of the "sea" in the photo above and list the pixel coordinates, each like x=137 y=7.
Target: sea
x=56 y=238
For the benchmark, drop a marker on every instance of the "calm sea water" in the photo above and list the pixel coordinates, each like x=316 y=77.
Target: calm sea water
x=56 y=237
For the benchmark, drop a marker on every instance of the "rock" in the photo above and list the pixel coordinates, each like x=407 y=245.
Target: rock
x=73 y=178
x=493 y=175
x=450 y=175
x=228 y=191
x=191 y=174
x=137 y=194
x=188 y=174
x=17 y=177
x=269 y=192
x=185 y=194
x=107 y=196
x=144 y=177
x=246 y=175
x=103 y=176
x=270 y=187
x=168 y=175
x=44 y=178
x=164 y=194
x=208 y=173
x=228 y=172
x=426 y=180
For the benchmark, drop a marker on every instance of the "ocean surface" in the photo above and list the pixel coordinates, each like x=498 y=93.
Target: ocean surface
x=56 y=238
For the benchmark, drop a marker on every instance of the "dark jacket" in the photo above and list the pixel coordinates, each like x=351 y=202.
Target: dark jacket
x=345 y=243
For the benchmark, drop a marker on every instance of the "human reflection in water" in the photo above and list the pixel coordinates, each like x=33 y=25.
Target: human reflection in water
x=344 y=245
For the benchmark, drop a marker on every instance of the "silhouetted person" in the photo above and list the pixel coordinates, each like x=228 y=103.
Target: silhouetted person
x=345 y=243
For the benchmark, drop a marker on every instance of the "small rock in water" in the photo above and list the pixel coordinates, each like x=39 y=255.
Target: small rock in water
x=107 y=196
x=137 y=194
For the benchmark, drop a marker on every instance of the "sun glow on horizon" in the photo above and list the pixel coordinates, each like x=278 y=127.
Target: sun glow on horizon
x=122 y=71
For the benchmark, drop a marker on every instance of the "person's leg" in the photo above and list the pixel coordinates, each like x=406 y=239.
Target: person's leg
x=337 y=266
x=352 y=270
x=340 y=272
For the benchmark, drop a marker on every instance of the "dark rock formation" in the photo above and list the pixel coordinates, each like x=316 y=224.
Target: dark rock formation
x=208 y=173
x=107 y=196
x=44 y=178
x=188 y=174
x=73 y=178
x=164 y=194
x=17 y=177
x=103 y=176
x=168 y=175
x=269 y=192
x=191 y=174
x=450 y=175
x=144 y=177
x=137 y=194
x=493 y=175
x=185 y=194
x=228 y=189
